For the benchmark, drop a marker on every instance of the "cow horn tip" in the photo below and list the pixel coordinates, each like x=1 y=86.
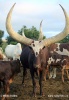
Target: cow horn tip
x=14 y=4
x=60 y=5
x=42 y=20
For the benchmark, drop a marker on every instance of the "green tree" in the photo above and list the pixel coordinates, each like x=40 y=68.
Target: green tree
x=1 y=35
x=65 y=40
x=4 y=44
x=32 y=33
x=11 y=40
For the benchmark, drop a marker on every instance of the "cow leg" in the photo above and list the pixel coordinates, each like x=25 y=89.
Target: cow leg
x=44 y=74
x=0 y=85
x=6 y=88
x=50 y=75
x=24 y=74
x=50 y=72
x=40 y=82
x=54 y=73
x=63 y=74
x=33 y=82
x=67 y=73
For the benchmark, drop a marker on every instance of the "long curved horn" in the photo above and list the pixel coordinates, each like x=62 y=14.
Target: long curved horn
x=61 y=35
x=40 y=33
x=44 y=42
x=14 y=34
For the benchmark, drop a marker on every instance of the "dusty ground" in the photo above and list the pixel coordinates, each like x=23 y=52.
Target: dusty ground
x=53 y=89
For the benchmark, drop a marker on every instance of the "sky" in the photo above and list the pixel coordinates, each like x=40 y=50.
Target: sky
x=31 y=12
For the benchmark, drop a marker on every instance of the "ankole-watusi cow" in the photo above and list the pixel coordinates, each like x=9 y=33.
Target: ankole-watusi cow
x=27 y=56
x=37 y=46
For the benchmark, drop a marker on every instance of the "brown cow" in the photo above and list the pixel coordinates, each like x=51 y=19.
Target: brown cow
x=7 y=71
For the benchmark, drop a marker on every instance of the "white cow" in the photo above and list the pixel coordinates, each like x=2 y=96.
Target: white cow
x=13 y=51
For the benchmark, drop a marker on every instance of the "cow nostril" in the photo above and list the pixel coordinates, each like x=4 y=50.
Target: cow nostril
x=36 y=53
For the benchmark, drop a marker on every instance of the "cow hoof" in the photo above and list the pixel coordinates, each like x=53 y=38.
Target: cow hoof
x=63 y=81
x=34 y=95
x=68 y=77
x=23 y=85
x=50 y=77
x=54 y=77
x=42 y=94
x=44 y=79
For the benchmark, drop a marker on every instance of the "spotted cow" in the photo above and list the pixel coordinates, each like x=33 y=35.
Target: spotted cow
x=60 y=48
x=59 y=61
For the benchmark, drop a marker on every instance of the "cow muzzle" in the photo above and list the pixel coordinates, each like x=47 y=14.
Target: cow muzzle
x=37 y=66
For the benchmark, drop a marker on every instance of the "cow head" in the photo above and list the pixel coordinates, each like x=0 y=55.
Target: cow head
x=36 y=45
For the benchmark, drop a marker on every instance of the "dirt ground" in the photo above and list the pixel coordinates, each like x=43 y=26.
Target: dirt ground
x=53 y=89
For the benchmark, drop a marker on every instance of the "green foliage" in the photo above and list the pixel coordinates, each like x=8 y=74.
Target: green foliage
x=0 y=42
x=44 y=37
x=11 y=40
x=32 y=33
x=1 y=33
x=65 y=40
x=4 y=44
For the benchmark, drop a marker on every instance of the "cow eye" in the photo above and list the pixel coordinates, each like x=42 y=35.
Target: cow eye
x=33 y=45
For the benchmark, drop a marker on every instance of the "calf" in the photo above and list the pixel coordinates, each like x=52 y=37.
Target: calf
x=7 y=71
x=62 y=61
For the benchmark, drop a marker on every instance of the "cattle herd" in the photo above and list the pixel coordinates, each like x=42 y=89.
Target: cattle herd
x=41 y=57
